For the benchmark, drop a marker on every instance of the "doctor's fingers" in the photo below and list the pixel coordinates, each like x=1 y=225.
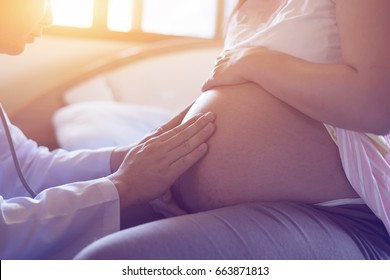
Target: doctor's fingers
x=183 y=163
x=181 y=133
x=180 y=140
x=188 y=142
x=183 y=148
x=189 y=152
x=175 y=121
x=189 y=135
x=156 y=135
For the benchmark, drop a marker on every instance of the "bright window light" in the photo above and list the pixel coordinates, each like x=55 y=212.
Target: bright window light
x=74 y=13
x=180 y=17
x=120 y=15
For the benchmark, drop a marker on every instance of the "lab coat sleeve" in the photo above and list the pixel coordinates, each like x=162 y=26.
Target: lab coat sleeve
x=59 y=222
x=44 y=169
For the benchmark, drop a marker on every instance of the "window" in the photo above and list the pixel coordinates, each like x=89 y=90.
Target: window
x=119 y=16
x=132 y=19
x=195 y=18
x=73 y=13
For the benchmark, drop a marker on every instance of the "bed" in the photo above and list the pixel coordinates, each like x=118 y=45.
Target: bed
x=133 y=90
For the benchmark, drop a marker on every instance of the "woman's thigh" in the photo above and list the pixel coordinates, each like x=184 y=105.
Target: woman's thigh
x=274 y=230
x=262 y=150
x=138 y=214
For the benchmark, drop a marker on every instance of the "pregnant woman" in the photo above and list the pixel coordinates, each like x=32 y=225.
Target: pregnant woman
x=301 y=95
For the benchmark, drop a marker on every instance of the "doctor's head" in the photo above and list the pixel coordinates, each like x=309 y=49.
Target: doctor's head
x=20 y=22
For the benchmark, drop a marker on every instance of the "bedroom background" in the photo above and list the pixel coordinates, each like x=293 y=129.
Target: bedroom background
x=101 y=30
x=64 y=48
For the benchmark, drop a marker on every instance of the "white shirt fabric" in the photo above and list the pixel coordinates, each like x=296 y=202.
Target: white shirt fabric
x=303 y=28
x=75 y=204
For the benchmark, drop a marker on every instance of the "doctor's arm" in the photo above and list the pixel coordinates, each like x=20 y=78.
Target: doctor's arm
x=353 y=94
x=45 y=169
x=58 y=222
x=69 y=217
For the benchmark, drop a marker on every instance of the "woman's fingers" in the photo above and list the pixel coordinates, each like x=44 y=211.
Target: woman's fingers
x=209 y=84
x=219 y=66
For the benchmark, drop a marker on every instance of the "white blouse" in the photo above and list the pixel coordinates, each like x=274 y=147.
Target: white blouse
x=302 y=28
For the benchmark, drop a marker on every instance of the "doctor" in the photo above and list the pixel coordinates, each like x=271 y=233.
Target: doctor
x=80 y=195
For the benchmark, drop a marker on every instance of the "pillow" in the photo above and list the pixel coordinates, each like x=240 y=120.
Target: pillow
x=93 y=89
x=96 y=124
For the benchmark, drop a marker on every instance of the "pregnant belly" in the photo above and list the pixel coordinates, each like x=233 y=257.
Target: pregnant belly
x=263 y=150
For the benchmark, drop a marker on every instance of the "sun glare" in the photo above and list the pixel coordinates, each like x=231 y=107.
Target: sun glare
x=73 y=13
x=119 y=15
x=174 y=17
x=180 y=17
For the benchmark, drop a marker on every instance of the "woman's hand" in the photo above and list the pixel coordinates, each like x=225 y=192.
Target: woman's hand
x=229 y=68
x=151 y=167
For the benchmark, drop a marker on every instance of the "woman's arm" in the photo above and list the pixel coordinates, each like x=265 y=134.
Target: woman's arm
x=353 y=95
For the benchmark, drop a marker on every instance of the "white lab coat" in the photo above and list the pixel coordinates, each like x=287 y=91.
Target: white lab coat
x=75 y=204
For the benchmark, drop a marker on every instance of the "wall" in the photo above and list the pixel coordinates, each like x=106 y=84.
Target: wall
x=44 y=64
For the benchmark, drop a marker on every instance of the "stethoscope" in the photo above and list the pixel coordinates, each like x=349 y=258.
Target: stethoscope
x=13 y=153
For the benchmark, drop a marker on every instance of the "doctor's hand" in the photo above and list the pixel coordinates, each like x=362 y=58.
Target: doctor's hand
x=119 y=154
x=151 y=167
